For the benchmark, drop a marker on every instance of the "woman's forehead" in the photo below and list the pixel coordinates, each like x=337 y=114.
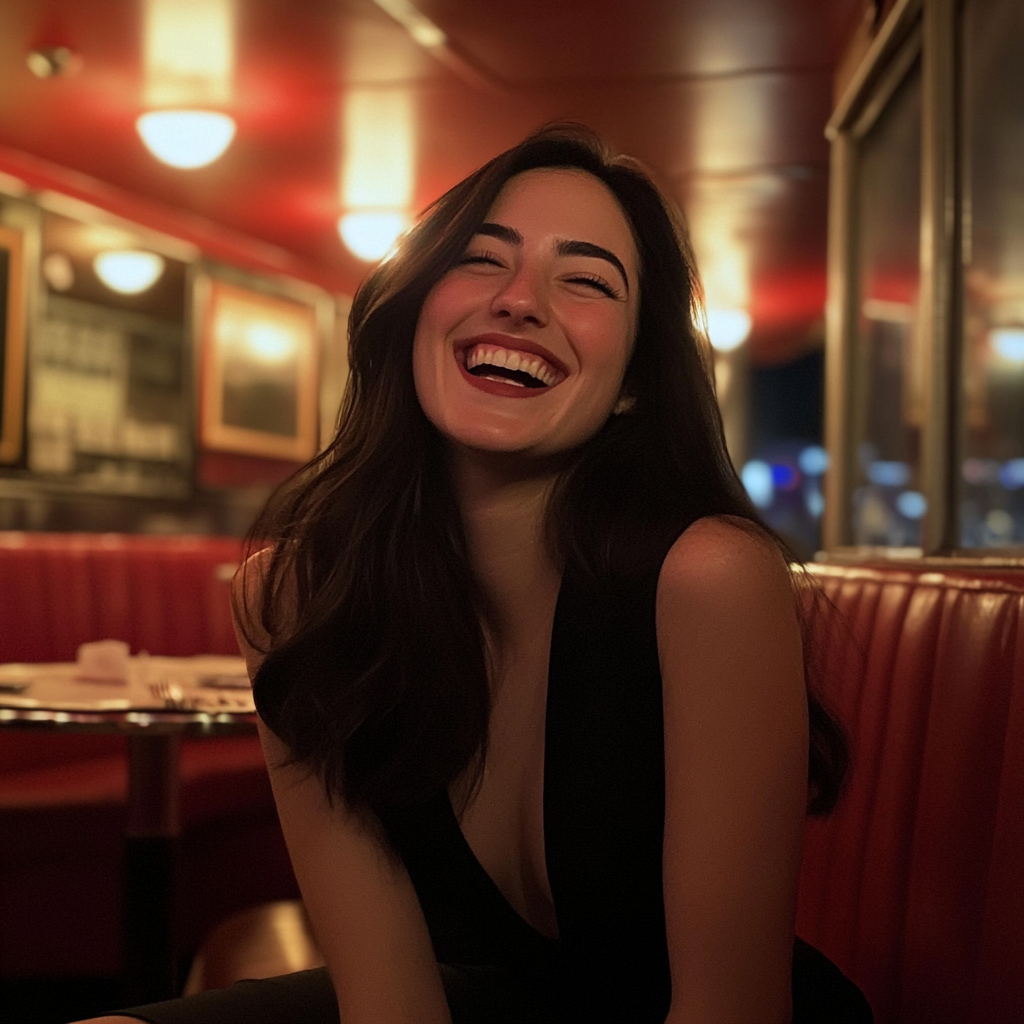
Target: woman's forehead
x=567 y=202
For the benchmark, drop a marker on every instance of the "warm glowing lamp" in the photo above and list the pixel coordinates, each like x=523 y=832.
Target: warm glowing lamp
x=370 y=234
x=128 y=271
x=270 y=343
x=186 y=138
x=728 y=328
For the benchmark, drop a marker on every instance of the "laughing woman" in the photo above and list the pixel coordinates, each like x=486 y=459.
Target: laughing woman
x=529 y=669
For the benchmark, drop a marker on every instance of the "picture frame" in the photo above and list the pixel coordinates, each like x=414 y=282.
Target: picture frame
x=259 y=388
x=13 y=325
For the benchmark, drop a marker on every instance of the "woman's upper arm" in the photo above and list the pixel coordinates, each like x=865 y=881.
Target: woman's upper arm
x=735 y=771
x=362 y=905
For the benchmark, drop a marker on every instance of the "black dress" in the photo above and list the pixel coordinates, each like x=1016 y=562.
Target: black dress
x=604 y=792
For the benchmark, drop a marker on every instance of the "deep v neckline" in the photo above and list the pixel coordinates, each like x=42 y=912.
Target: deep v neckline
x=483 y=875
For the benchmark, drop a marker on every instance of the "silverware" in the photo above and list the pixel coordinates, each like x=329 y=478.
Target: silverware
x=171 y=695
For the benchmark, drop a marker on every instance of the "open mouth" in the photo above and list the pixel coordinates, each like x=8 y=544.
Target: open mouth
x=510 y=366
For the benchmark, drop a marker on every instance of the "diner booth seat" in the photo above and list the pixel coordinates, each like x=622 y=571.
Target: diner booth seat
x=62 y=796
x=915 y=885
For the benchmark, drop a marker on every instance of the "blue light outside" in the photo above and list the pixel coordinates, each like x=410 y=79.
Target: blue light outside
x=813 y=460
x=1011 y=474
x=784 y=476
x=889 y=474
x=911 y=504
x=815 y=501
x=757 y=479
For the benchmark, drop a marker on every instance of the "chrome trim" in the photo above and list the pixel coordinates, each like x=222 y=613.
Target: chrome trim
x=891 y=36
x=940 y=299
x=840 y=326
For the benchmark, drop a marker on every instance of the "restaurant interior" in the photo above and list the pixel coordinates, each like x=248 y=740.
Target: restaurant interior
x=191 y=192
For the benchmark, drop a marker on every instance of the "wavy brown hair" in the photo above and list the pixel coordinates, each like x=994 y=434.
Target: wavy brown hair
x=376 y=676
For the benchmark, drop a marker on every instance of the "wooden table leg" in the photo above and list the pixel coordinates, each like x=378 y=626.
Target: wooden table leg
x=151 y=848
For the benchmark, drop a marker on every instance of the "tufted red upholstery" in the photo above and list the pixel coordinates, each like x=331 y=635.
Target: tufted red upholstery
x=164 y=595
x=62 y=796
x=167 y=595
x=915 y=886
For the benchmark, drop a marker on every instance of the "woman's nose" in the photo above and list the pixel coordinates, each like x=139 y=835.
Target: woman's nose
x=522 y=300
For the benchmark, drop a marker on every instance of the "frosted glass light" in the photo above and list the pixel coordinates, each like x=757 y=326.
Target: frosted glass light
x=728 y=328
x=370 y=234
x=186 y=138
x=128 y=271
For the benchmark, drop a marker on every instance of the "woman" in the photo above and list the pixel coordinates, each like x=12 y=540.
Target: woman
x=529 y=669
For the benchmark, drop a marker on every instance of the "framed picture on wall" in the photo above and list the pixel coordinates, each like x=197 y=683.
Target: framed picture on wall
x=259 y=391
x=12 y=343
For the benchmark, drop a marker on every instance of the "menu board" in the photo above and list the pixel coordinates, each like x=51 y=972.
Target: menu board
x=108 y=400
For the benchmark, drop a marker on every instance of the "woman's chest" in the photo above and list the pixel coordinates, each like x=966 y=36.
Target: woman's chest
x=503 y=821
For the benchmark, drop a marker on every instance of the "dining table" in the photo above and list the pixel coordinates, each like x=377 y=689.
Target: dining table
x=157 y=702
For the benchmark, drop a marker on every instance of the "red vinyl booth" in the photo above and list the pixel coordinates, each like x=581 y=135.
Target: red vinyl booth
x=915 y=886
x=62 y=796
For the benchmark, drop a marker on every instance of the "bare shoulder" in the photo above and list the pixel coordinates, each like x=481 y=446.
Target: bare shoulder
x=723 y=556
x=726 y=611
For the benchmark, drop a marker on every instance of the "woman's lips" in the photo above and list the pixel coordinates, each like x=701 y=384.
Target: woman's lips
x=506 y=352
x=498 y=387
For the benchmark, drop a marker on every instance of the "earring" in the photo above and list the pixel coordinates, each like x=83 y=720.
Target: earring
x=624 y=404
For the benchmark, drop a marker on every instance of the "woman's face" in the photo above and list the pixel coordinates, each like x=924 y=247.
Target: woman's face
x=522 y=346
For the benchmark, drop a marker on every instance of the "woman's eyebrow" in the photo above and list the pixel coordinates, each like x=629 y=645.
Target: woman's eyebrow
x=570 y=248
x=502 y=233
x=564 y=247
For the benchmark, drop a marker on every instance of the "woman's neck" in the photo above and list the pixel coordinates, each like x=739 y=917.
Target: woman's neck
x=503 y=503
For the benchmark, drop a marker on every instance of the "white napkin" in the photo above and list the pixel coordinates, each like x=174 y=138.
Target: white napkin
x=105 y=660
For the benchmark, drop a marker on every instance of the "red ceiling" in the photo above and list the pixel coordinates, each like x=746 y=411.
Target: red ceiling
x=726 y=100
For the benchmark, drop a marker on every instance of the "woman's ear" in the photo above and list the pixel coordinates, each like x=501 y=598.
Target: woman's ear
x=624 y=404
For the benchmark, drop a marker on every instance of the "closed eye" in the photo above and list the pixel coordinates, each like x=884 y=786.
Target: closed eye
x=481 y=257
x=595 y=282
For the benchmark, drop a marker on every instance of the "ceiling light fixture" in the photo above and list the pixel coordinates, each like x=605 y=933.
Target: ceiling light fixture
x=728 y=328
x=53 y=62
x=186 y=138
x=371 y=234
x=377 y=170
x=128 y=271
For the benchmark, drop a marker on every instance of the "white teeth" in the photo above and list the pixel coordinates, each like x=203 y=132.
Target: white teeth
x=512 y=360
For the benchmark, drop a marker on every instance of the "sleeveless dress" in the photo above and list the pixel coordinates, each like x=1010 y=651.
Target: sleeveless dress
x=604 y=792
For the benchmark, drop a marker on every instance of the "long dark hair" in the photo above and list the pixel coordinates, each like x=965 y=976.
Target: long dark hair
x=376 y=676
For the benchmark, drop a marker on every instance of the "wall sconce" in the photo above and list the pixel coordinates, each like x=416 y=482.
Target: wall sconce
x=128 y=271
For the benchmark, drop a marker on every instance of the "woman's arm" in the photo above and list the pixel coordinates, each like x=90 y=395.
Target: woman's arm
x=736 y=738
x=363 y=908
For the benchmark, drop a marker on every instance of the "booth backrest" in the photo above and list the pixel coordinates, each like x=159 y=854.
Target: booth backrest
x=164 y=595
x=915 y=885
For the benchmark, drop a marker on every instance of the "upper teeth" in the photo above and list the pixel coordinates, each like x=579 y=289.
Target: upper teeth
x=512 y=360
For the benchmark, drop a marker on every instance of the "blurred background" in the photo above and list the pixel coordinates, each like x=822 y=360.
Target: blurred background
x=278 y=148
